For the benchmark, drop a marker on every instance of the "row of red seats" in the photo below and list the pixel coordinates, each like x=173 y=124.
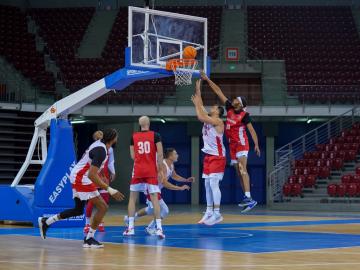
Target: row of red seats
x=292 y=189
x=342 y=190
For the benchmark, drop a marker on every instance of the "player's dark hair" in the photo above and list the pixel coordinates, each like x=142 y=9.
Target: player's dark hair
x=221 y=111
x=109 y=135
x=168 y=152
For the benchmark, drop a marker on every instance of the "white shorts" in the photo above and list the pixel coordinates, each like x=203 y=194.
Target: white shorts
x=85 y=196
x=143 y=187
x=239 y=155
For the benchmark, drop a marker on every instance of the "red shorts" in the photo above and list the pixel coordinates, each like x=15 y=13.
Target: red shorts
x=142 y=184
x=238 y=150
x=213 y=166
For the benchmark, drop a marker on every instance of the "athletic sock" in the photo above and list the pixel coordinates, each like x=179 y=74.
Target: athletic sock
x=158 y=224
x=209 y=209
x=87 y=220
x=217 y=211
x=247 y=194
x=52 y=220
x=131 y=222
x=91 y=233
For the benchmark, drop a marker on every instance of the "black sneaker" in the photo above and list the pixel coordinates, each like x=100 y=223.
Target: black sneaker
x=92 y=243
x=43 y=227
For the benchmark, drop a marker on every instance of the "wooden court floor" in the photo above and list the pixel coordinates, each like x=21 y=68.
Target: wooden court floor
x=260 y=240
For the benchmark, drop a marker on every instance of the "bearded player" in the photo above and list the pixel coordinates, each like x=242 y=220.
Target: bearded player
x=214 y=160
x=171 y=156
x=237 y=121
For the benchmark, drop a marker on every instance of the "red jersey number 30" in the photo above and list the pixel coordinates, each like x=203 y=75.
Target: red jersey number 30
x=144 y=147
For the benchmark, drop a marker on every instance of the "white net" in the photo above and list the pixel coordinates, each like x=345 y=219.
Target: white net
x=183 y=71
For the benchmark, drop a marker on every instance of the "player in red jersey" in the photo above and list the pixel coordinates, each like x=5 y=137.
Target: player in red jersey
x=237 y=121
x=85 y=181
x=214 y=160
x=107 y=174
x=147 y=152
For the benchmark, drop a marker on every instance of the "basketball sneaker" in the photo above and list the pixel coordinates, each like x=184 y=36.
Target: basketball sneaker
x=101 y=227
x=214 y=219
x=86 y=228
x=92 y=243
x=206 y=216
x=150 y=230
x=129 y=232
x=43 y=227
x=245 y=202
x=249 y=206
x=160 y=233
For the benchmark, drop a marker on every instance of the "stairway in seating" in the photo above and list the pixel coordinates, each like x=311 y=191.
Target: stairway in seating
x=16 y=131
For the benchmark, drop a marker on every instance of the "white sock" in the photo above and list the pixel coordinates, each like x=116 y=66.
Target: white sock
x=209 y=209
x=158 y=224
x=217 y=211
x=214 y=184
x=101 y=224
x=52 y=220
x=131 y=222
x=209 y=195
x=91 y=233
x=87 y=220
x=247 y=194
x=152 y=224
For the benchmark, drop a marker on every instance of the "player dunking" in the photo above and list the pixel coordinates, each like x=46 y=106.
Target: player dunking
x=147 y=152
x=85 y=181
x=237 y=120
x=214 y=160
x=171 y=156
x=107 y=174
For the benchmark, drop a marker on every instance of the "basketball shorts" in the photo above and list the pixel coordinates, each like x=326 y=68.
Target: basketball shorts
x=149 y=184
x=213 y=166
x=238 y=150
x=85 y=192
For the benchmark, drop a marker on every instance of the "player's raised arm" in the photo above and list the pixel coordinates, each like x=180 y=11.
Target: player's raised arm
x=214 y=87
x=254 y=138
x=201 y=112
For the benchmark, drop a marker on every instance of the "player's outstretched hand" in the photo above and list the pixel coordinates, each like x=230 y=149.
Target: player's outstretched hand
x=203 y=75
x=185 y=187
x=191 y=179
x=117 y=195
x=257 y=150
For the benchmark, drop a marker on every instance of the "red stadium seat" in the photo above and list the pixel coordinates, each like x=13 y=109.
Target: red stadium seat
x=331 y=189
x=345 y=179
x=324 y=172
x=301 y=180
x=310 y=181
x=287 y=189
x=351 y=189
x=292 y=179
x=341 y=190
x=296 y=190
x=358 y=170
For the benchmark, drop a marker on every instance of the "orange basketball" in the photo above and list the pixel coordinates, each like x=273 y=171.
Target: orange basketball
x=189 y=52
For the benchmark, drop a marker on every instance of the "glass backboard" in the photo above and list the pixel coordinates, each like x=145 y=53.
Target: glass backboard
x=158 y=36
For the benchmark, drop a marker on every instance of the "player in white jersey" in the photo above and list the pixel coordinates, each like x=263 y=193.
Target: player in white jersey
x=171 y=156
x=214 y=159
x=85 y=181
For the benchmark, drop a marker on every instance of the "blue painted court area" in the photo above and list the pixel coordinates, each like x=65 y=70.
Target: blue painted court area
x=237 y=237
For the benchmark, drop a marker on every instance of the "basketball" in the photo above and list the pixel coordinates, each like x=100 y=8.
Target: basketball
x=189 y=52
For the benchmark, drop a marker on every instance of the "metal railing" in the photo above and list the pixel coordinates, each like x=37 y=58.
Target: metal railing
x=285 y=156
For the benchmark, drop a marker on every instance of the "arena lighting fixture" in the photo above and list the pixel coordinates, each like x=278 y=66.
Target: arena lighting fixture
x=77 y=121
x=162 y=120
x=308 y=121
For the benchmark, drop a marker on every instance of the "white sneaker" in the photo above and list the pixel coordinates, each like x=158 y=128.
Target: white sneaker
x=150 y=230
x=126 y=220
x=214 y=219
x=129 y=232
x=206 y=216
x=160 y=233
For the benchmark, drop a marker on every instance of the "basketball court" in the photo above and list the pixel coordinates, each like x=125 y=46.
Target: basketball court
x=261 y=240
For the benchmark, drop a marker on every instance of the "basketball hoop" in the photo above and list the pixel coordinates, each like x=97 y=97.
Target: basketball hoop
x=183 y=70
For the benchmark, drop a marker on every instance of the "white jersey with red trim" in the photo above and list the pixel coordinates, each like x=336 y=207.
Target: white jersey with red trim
x=79 y=174
x=213 y=141
x=169 y=172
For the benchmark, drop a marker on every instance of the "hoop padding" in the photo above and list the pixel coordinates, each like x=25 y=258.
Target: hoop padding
x=183 y=70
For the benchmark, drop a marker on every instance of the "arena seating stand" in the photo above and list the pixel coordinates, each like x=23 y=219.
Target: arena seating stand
x=320 y=46
x=319 y=163
x=19 y=48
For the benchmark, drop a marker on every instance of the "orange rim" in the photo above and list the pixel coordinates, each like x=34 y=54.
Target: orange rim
x=175 y=63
